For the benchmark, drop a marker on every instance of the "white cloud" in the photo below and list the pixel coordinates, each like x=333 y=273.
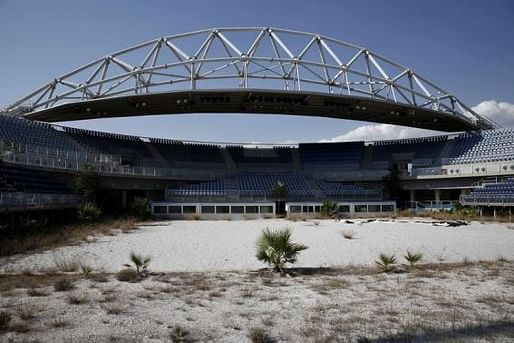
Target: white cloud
x=500 y=112
x=374 y=132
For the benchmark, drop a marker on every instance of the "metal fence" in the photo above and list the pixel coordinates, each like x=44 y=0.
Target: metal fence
x=38 y=200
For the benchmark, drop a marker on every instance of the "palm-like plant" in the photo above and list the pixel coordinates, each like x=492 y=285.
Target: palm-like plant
x=386 y=262
x=412 y=258
x=276 y=248
x=329 y=209
x=86 y=271
x=139 y=262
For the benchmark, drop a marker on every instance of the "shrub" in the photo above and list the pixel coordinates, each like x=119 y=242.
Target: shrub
x=89 y=213
x=27 y=312
x=258 y=335
x=329 y=209
x=63 y=285
x=277 y=249
x=386 y=262
x=5 y=319
x=139 y=262
x=37 y=292
x=66 y=265
x=113 y=308
x=179 y=334
x=127 y=275
x=140 y=208
x=77 y=299
x=412 y=258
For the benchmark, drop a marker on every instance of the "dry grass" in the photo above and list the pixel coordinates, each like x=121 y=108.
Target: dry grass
x=38 y=292
x=5 y=319
x=77 y=299
x=259 y=335
x=50 y=238
x=59 y=323
x=179 y=334
x=128 y=275
x=114 y=308
x=28 y=311
x=63 y=285
x=329 y=304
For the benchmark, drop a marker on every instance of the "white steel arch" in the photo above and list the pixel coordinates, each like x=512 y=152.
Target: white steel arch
x=247 y=57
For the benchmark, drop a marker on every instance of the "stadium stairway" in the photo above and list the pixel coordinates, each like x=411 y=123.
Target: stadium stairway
x=367 y=157
x=297 y=164
x=159 y=159
x=231 y=188
x=316 y=190
x=445 y=152
x=231 y=165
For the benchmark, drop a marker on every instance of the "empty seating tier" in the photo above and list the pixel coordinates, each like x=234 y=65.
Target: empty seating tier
x=331 y=154
x=14 y=178
x=484 y=146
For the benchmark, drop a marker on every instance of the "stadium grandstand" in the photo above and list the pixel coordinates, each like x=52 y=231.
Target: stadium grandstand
x=471 y=163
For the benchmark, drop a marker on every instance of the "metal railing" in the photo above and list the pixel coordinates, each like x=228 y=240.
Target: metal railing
x=487 y=200
x=38 y=200
x=431 y=205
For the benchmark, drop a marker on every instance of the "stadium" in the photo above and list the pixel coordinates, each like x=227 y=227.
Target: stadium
x=121 y=222
x=251 y=70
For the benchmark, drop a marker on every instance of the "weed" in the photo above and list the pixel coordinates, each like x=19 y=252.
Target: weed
x=179 y=334
x=412 y=258
x=77 y=299
x=258 y=335
x=86 y=271
x=127 y=275
x=5 y=319
x=139 y=262
x=28 y=312
x=63 y=285
x=37 y=292
x=386 y=262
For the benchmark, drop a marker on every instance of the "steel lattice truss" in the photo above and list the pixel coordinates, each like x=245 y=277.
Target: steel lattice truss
x=262 y=58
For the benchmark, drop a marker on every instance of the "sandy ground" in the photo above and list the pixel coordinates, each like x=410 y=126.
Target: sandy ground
x=228 y=299
x=449 y=303
x=230 y=245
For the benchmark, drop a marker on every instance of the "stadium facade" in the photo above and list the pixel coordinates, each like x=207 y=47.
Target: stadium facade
x=252 y=70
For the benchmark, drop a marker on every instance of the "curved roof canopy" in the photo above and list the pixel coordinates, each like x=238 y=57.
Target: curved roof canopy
x=251 y=70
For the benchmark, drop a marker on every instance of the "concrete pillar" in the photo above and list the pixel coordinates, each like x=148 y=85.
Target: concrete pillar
x=494 y=212
x=412 y=195
x=437 y=194
x=124 y=199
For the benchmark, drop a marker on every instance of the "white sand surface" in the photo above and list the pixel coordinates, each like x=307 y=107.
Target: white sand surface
x=230 y=245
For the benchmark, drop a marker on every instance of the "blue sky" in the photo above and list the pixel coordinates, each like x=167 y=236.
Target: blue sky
x=464 y=46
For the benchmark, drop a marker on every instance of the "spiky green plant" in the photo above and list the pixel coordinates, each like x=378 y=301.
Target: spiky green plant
x=276 y=248
x=140 y=208
x=179 y=334
x=89 y=213
x=140 y=263
x=386 y=262
x=86 y=271
x=412 y=258
x=329 y=209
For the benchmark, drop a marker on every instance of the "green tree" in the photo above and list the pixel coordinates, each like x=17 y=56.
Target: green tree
x=140 y=208
x=279 y=191
x=87 y=183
